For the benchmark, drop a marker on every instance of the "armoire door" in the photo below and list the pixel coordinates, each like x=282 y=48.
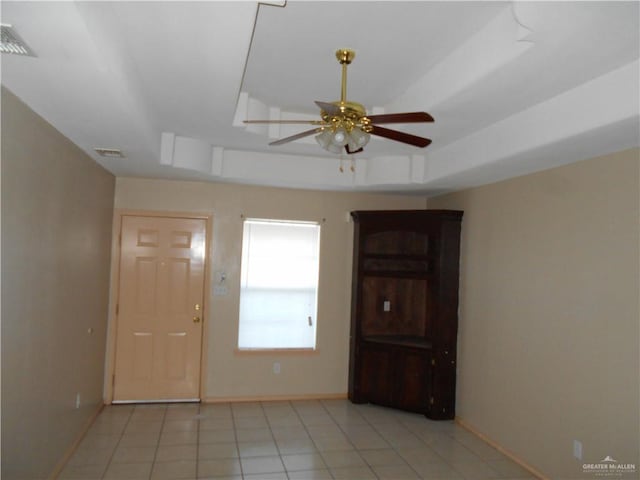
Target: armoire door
x=159 y=313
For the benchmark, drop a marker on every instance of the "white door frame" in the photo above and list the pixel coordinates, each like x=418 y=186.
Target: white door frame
x=115 y=288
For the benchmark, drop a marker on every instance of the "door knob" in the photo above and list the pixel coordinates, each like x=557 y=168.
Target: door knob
x=196 y=319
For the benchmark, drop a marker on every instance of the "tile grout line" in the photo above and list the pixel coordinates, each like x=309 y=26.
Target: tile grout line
x=115 y=448
x=235 y=436
x=368 y=423
x=198 y=418
x=155 y=454
x=393 y=447
x=304 y=425
x=266 y=418
x=398 y=453
x=449 y=462
x=347 y=437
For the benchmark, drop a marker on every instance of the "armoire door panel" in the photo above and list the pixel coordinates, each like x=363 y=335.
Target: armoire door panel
x=377 y=383
x=413 y=375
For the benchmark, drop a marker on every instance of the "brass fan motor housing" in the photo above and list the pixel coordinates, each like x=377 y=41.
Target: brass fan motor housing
x=351 y=115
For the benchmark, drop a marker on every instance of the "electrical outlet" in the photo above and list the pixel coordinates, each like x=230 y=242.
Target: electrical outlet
x=577 y=449
x=77 y=400
x=386 y=306
x=276 y=367
x=220 y=290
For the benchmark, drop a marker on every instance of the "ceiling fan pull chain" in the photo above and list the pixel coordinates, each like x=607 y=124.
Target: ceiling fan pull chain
x=353 y=163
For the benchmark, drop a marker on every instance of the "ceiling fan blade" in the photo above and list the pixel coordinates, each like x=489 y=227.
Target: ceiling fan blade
x=400 y=136
x=330 y=108
x=408 y=117
x=290 y=122
x=295 y=137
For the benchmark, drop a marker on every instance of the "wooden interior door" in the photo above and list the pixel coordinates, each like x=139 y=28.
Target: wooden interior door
x=159 y=313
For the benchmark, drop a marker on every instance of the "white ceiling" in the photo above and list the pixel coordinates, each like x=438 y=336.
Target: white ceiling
x=514 y=87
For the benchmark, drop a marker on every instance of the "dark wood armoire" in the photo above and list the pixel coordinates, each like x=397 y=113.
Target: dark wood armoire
x=404 y=311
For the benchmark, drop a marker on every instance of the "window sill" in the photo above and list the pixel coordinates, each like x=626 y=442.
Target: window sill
x=275 y=351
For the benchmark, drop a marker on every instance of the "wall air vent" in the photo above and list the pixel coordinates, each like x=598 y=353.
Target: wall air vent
x=12 y=43
x=109 y=152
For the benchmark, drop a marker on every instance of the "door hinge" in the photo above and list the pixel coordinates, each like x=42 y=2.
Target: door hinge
x=117 y=308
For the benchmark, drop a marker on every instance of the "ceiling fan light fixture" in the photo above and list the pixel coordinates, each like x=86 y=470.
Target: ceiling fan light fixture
x=334 y=139
x=339 y=138
x=358 y=139
x=324 y=138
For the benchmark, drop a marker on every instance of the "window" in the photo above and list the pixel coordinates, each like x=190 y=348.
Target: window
x=278 y=284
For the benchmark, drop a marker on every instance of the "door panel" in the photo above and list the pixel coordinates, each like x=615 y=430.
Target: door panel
x=146 y=272
x=177 y=356
x=179 y=287
x=158 y=344
x=376 y=376
x=413 y=373
x=142 y=355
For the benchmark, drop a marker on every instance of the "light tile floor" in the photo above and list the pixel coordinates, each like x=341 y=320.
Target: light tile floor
x=303 y=440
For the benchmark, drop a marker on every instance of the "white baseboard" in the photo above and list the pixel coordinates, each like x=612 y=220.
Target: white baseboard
x=276 y=398
x=72 y=448
x=470 y=428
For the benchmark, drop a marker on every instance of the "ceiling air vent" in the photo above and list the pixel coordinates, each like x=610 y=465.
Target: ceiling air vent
x=109 y=152
x=12 y=43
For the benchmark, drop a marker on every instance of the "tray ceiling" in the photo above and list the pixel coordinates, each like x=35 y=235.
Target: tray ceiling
x=514 y=87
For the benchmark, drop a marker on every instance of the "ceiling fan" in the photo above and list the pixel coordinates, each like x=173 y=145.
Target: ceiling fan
x=346 y=125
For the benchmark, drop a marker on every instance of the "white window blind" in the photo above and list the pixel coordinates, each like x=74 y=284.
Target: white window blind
x=279 y=284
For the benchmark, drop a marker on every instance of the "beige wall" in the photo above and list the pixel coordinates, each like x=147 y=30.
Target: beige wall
x=57 y=206
x=233 y=375
x=549 y=318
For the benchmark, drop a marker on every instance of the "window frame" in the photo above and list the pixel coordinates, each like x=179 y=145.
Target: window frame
x=285 y=349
